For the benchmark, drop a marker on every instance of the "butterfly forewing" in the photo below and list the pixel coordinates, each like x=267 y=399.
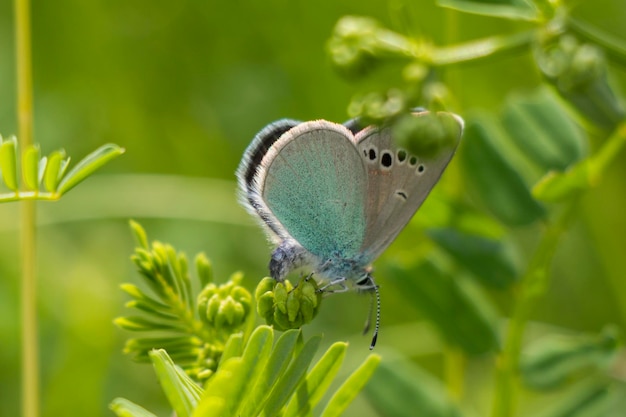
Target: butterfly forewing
x=314 y=184
x=398 y=184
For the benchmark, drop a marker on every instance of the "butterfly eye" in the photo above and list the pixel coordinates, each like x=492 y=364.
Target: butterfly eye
x=386 y=160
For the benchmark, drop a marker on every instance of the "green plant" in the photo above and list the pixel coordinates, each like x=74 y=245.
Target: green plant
x=528 y=165
x=207 y=361
x=47 y=171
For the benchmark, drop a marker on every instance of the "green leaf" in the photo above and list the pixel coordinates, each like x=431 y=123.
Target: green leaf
x=587 y=399
x=124 y=408
x=217 y=396
x=158 y=310
x=204 y=269
x=541 y=128
x=351 y=387
x=137 y=294
x=293 y=376
x=232 y=384
x=491 y=261
x=30 y=167
x=454 y=304
x=8 y=162
x=141 y=237
x=54 y=170
x=41 y=169
x=493 y=177
x=233 y=348
x=88 y=165
x=557 y=187
x=506 y=9
x=439 y=211
x=400 y=388
x=255 y=357
x=277 y=364
x=614 y=47
x=317 y=382
x=141 y=324
x=182 y=393
x=555 y=359
x=178 y=347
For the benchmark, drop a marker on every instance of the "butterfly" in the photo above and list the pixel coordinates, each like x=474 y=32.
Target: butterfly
x=333 y=197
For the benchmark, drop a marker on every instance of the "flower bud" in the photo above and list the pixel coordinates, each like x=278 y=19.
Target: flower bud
x=225 y=307
x=285 y=306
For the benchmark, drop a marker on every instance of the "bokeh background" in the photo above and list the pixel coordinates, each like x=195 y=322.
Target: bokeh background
x=184 y=86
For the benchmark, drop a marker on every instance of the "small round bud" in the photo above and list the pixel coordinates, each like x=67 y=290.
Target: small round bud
x=288 y=307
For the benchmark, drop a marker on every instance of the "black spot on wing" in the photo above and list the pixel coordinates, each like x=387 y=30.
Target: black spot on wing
x=386 y=160
x=402 y=194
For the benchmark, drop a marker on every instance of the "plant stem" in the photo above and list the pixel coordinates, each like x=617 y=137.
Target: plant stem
x=483 y=48
x=30 y=360
x=30 y=196
x=532 y=286
x=454 y=370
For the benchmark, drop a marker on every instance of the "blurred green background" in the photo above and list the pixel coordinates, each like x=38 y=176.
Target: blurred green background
x=184 y=86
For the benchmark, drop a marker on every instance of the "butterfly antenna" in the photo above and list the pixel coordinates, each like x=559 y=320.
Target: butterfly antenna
x=375 y=336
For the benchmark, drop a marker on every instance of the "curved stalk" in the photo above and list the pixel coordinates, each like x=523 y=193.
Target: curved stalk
x=531 y=287
x=483 y=48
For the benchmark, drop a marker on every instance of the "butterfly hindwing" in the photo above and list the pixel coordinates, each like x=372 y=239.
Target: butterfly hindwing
x=249 y=170
x=313 y=181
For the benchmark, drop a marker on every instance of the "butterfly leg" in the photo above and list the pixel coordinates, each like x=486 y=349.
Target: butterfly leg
x=340 y=283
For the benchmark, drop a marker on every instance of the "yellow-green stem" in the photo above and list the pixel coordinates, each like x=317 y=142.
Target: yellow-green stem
x=532 y=286
x=29 y=195
x=455 y=372
x=30 y=360
x=487 y=48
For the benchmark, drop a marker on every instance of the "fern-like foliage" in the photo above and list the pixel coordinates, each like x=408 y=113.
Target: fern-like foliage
x=207 y=361
x=192 y=328
x=45 y=178
x=259 y=378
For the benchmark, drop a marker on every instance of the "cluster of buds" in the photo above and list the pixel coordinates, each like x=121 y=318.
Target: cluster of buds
x=287 y=307
x=579 y=73
x=227 y=307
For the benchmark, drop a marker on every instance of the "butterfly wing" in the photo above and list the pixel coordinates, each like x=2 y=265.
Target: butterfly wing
x=249 y=171
x=398 y=184
x=311 y=183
